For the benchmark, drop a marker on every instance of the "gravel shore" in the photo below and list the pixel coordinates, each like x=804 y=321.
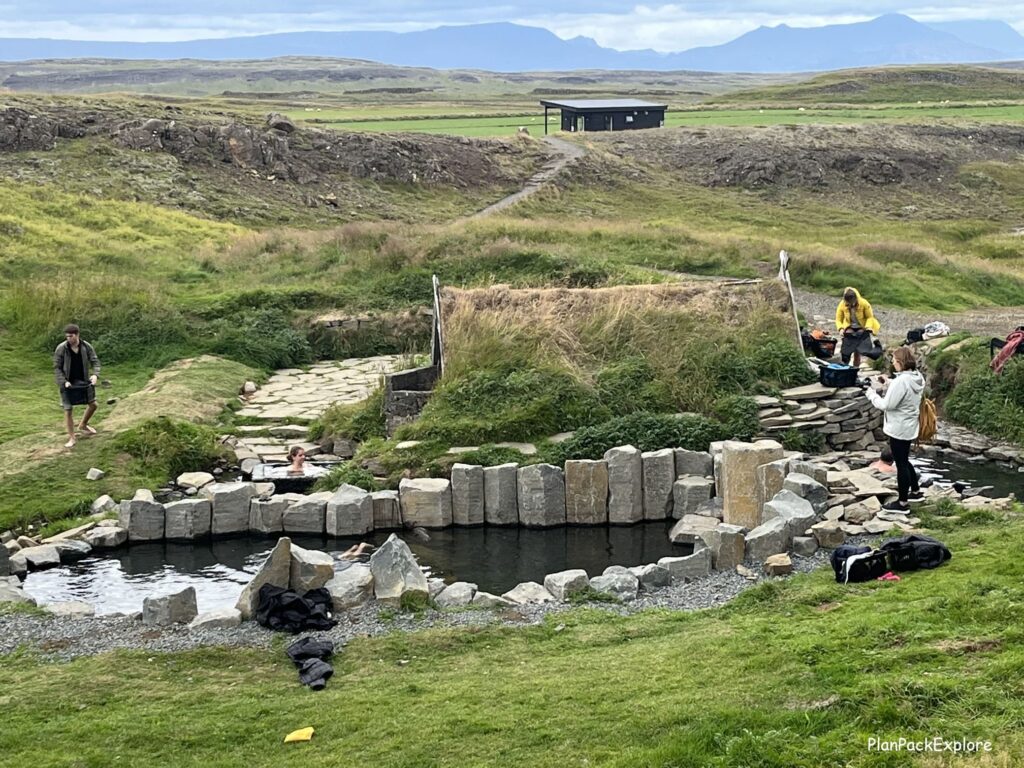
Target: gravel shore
x=60 y=639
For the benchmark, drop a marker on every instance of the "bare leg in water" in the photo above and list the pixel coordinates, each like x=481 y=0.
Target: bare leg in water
x=356 y=552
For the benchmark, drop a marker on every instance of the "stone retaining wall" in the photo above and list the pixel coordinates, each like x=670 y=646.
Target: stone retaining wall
x=843 y=416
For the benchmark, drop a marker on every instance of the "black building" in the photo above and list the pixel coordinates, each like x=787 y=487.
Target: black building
x=606 y=114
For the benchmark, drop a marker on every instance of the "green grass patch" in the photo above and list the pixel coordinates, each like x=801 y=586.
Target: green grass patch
x=805 y=672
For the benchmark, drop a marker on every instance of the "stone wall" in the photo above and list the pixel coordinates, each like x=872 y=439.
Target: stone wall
x=844 y=417
x=405 y=395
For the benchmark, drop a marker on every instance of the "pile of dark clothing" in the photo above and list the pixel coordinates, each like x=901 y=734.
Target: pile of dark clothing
x=288 y=611
x=311 y=656
x=904 y=553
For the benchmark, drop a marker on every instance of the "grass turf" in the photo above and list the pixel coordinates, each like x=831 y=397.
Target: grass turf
x=794 y=673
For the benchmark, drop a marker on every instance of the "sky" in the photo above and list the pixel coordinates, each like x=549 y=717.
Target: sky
x=613 y=23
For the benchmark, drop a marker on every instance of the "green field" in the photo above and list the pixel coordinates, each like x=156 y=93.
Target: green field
x=475 y=124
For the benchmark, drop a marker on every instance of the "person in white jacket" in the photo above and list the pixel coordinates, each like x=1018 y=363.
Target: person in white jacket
x=902 y=407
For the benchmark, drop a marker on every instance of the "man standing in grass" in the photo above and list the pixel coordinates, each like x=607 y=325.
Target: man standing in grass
x=72 y=360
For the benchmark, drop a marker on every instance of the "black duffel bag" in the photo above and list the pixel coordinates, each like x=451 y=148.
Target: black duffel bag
x=914 y=551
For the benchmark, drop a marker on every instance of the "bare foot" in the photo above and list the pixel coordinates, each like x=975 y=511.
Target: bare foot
x=87 y=430
x=70 y=443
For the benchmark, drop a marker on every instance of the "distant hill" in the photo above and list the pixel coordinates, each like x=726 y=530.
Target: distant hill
x=987 y=34
x=506 y=47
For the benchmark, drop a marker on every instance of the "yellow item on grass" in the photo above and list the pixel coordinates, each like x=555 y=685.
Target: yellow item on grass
x=303 y=734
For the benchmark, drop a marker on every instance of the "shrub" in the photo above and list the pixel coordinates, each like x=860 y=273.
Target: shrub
x=346 y=472
x=261 y=337
x=505 y=404
x=738 y=416
x=804 y=442
x=632 y=385
x=990 y=404
x=356 y=421
x=646 y=431
x=170 y=446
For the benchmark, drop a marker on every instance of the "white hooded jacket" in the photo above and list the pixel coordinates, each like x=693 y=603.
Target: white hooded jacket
x=901 y=404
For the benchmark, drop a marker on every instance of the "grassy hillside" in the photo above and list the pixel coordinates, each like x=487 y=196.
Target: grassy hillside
x=889 y=85
x=794 y=673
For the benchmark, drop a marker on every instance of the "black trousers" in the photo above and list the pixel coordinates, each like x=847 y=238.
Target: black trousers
x=906 y=475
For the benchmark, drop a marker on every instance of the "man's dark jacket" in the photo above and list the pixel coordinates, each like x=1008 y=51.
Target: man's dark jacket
x=62 y=361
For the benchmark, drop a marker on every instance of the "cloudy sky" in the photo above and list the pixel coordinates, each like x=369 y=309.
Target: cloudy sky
x=613 y=23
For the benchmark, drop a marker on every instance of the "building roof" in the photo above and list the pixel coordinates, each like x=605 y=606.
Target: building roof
x=602 y=105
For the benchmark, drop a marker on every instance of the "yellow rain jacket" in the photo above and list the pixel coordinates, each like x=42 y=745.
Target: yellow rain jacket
x=865 y=316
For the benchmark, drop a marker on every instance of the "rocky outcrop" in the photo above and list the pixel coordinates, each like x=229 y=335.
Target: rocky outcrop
x=178 y=608
x=309 y=569
x=276 y=570
x=396 y=572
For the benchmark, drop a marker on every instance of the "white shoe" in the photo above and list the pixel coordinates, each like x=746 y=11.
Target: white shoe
x=70 y=443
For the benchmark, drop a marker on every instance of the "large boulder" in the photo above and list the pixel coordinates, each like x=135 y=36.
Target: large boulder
x=528 y=593
x=739 y=489
x=195 y=480
x=12 y=594
x=727 y=545
x=310 y=569
x=624 y=586
x=625 y=485
x=456 y=595
x=652 y=576
x=307 y=514
x=688 y=568
x=487 y=600
x=102 y=505
x=797 y=512
x=659 y=475
x=862 y=511
x=266 y=516
x=769 y=538
x=829 y=534
x=467 y=494
x=501 y=495
x=541 y=496
x=187 y=520
x=276 y=570
x=770 y=479
x=806 y=487
x=34 y=559
x=387 y=511
x=351 y=586
x=178 y=608
x=564 y=584
x=690 y=494
x=811 y=469
x=426 y=502
x=691 y=529
x=71 y=550
x=698 y=463
x=105 y=537
x=349 y=511
x=229 y=504
x=396 y=572
x=222 y=618
x=143 y=518
x=586 y=492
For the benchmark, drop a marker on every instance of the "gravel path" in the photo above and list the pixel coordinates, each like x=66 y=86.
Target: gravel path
x=998 y=321
x=60 y=639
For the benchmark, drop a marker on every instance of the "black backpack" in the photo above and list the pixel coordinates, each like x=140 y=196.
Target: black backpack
x=913 y=551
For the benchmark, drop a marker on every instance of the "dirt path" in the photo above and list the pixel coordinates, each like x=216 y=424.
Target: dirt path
x=565 y=153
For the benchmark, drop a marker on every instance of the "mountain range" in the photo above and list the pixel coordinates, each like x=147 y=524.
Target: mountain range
x=507 y=47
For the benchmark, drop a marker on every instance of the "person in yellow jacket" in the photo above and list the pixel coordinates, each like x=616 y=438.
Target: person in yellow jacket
x=856 y=322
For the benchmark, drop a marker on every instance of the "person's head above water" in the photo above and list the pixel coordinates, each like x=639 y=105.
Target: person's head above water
x=297 y=455
x=886 y=455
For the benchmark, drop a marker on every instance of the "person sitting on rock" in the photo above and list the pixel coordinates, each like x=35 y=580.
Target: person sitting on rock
x=885 y=462
x=856 y=322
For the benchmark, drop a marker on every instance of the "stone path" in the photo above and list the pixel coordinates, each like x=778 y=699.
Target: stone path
x=294 y=394
x=292 y=397
x=565 y=153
